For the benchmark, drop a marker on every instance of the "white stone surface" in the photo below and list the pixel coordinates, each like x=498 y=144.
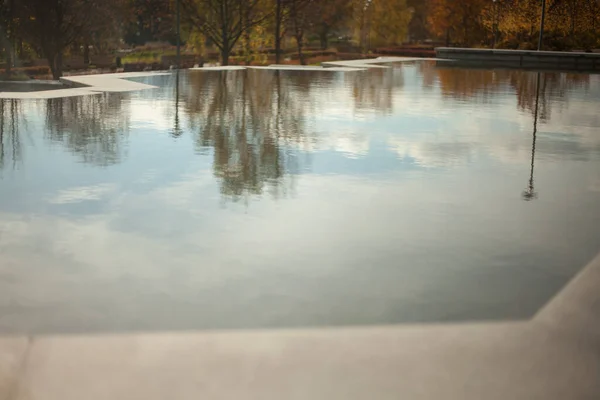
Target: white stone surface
x=88 y=84
x=373 y=62
x=340 y=66
x=220 y=68
x=48 y=94
x=13 y=354
x=556 y=355
x=112 y=82
x=281 y=67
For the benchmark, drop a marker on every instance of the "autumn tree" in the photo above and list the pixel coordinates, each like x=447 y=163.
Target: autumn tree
x=521 y=20
x=391 y=21
x=380 y=21
x=417 y=28
x=332 y=16
x=279 y=19
x=301 y=18
x=223 y=22
x=569 y=23
x=459 y=21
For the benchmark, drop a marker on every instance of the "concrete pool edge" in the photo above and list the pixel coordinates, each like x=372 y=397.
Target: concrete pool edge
x=82 y=85
x=552 y=356
x=552 y=60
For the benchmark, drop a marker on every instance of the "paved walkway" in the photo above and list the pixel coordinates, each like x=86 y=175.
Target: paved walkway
x=556 y=355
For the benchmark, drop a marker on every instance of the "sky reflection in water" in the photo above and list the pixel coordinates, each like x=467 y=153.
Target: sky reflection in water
x=263 y=199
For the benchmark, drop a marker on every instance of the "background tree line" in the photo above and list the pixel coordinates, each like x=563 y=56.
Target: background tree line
x=53 y=28
x=569 y=24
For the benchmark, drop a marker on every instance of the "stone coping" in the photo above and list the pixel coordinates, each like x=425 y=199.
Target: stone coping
x=565 y=54
x=555 y=355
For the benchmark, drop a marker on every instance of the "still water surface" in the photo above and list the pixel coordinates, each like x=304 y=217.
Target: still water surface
x=247 y=199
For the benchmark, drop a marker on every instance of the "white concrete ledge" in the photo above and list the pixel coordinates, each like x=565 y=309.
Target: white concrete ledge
x=330 y=66
x=576 y=309
x=308 y=68
x=48 y=94
x=88 y=84
x=220 y=68
x=279 y=67
x=553 y=356
x=378 y=62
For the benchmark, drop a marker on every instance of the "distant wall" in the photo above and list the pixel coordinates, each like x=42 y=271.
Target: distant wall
x=522 y=58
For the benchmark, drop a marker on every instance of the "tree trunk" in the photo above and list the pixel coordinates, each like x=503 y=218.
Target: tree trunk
x=448 y=37
x=50 y=58
x=86 y=53
x=56 y=67
x=8 y=55
x=9 y=36
x=226 y=49
x=59 y=64
x=225 y=56
x=8 y=61
x=323 y=38
x=247 y=44
x=278 y=18
x=299 y=40
x=248 y=48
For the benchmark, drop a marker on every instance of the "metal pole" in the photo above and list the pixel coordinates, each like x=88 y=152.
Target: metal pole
x=542 y=25
x=178 y=39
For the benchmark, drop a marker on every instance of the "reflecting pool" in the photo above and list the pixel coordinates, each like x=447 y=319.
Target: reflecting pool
x=249 y=199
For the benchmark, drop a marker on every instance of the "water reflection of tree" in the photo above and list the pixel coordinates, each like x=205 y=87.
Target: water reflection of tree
x=469 y=83
x=11 y=117
x=483 y=84
x=90 y=126
x=253 y=121
x=375 y=91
